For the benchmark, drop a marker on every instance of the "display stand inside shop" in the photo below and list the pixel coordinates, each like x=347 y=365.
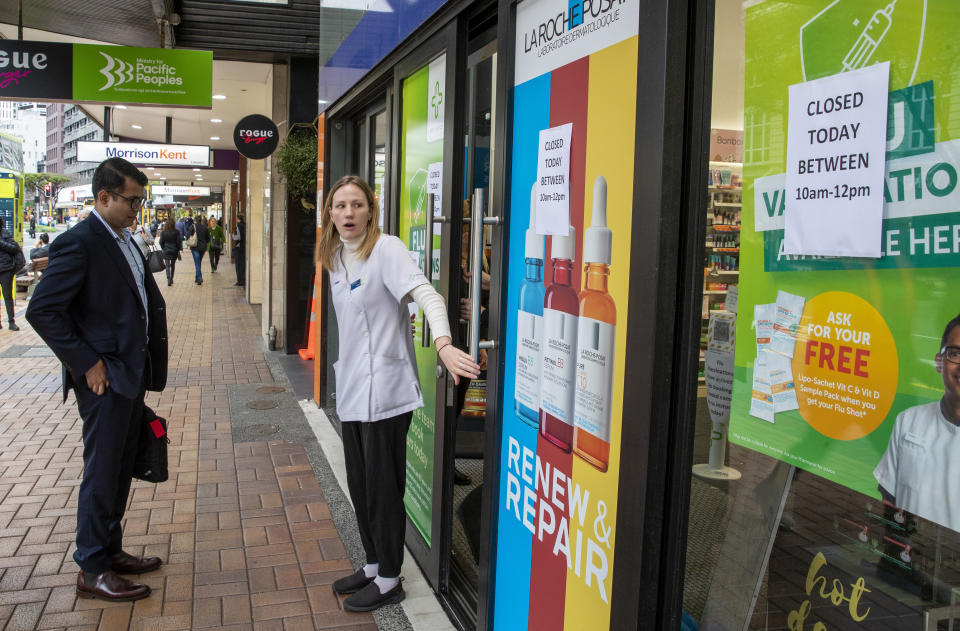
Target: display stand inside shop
x=721 y=272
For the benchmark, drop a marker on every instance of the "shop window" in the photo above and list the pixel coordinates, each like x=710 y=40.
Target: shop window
x=825 y=492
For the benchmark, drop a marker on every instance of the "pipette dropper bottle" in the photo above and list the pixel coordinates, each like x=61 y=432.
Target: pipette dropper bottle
x=560 y=309
x=530 y=323
x=596 y=338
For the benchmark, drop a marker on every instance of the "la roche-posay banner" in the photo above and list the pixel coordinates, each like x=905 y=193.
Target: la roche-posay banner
x=842 y=363
x=564 y=341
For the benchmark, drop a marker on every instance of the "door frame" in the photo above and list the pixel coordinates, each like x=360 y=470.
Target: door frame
x=432 y=558
x=462 y=174
x=670 y=162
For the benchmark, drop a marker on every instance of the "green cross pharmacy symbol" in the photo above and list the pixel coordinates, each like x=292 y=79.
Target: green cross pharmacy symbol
x=436 y=100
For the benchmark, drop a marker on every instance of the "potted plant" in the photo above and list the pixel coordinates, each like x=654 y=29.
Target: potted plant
x=296 y=159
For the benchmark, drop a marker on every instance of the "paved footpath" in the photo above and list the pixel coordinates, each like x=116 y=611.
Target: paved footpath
x=244 y=528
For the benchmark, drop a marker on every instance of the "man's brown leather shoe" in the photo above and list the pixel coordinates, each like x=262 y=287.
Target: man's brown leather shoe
x=109 y=586
x=124 y=563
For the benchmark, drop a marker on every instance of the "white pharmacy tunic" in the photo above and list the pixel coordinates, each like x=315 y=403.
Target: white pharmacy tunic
x=377 y=371
x=921 y=468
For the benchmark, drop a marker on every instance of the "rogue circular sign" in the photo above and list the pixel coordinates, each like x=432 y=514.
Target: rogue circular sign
x=255 y=136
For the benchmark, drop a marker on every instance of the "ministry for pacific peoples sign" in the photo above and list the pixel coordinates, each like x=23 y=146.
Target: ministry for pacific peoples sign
x=105 y=74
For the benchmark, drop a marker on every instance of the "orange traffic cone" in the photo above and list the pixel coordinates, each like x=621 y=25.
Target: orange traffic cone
x=307 y=353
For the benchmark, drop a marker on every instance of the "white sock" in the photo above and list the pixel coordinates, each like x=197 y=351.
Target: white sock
x=386 y=584
x=370 y=569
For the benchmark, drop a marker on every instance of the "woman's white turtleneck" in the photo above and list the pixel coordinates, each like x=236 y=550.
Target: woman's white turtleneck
x=426 y=297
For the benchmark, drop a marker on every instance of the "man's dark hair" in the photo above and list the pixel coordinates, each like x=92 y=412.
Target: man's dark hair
x=112 y=173
x=946 y=332
x=44 y=238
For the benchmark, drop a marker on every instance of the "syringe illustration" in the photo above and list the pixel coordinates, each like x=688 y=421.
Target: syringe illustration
x=873 y=33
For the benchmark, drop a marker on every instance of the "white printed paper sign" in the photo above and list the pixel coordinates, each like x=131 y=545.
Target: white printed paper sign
x=435 y=186
x=730 y=302
x=553 y=180
x=836 y=152
x=436 y=95
x=718 y=373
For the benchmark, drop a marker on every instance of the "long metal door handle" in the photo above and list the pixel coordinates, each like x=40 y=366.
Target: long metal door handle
x=477 y=222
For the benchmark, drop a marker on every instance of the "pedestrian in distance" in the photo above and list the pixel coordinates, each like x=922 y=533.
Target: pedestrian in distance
x=181 y=228
x=198 y=249
x=170 y=244
x=42 y=247
x=100 y=311
x=9 y=249
x=142 y=237
x=239 y=250
x=372 y=280
x=217 y=239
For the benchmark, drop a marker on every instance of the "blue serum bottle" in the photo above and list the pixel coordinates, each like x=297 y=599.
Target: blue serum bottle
x=530 y=324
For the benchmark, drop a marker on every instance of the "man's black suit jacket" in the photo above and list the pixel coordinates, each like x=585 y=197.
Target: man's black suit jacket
x=87 y=307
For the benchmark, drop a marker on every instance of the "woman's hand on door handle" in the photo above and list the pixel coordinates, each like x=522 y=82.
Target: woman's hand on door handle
x=456 y=361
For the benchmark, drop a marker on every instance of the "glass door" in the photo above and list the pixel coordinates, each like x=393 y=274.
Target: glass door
x=464 y=462
x=423 y=119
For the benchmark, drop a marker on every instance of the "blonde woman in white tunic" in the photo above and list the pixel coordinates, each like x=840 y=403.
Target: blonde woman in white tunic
x=372 y=279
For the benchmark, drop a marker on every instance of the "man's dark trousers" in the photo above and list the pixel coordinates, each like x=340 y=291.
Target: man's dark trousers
x=240 y=259
x=111 y=429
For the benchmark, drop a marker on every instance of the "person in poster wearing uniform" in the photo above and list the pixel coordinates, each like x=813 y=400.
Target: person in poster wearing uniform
x=920 y=472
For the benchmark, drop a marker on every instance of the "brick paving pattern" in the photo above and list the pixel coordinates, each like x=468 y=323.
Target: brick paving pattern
x=244 y=530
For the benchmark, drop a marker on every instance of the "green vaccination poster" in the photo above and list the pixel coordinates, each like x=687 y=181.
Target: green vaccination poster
x=848 y=367
x=422 y=153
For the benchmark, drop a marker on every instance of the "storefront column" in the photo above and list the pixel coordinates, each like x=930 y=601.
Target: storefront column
x=275 y=235
x=255 y=230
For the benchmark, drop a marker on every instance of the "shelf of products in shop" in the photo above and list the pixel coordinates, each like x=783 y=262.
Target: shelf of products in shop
x=721 y=246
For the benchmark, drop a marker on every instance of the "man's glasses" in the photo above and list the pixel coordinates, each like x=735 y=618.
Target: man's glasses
x=136 y=203
x=951 y=354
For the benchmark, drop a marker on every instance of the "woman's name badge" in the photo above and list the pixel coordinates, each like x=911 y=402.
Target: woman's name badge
x=354 y=284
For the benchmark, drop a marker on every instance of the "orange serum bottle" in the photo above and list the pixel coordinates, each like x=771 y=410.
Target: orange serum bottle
x=559 y=346
x=596 y=338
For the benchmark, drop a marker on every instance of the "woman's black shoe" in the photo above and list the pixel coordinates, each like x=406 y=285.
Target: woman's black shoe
x=370 y=598
x=350 y=584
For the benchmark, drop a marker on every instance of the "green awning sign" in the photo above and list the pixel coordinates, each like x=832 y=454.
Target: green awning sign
x=123 y=74
x=105 y=74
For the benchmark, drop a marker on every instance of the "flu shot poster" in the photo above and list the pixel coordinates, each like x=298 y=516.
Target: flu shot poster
x=841 y=362
x=422 y=147
x=564 y=344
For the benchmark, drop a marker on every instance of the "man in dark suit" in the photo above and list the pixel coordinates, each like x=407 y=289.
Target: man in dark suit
x=100 y=311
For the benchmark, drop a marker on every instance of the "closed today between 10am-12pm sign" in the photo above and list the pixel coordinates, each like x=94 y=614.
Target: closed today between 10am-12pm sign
x=106 y=74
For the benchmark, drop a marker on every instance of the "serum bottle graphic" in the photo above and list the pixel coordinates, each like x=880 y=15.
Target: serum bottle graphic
x=595 y=340
x=530 y=323
x=560 y=308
